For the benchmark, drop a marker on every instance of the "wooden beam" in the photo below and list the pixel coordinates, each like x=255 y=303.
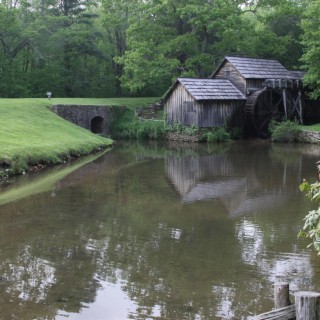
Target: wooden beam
x=286 y=313
x=284 y=93
x=300 y=107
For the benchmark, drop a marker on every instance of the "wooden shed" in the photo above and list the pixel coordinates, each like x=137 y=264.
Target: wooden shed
x=204 y=102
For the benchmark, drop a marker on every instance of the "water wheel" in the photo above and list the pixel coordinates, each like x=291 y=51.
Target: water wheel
x=263 y=106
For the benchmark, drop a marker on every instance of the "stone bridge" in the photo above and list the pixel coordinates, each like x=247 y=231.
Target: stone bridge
x=95 y=118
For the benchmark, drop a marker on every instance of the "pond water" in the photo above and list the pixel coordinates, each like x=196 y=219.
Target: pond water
x=151 y=231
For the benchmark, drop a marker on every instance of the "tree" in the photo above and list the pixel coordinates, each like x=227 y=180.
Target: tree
x=115 y=22
x=310 y=40
x=274 y=30
x=17 y=33
x=171 y=38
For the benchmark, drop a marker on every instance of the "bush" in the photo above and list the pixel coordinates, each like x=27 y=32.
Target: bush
x=286 y=131
x=127 y=126
x=236 y=133
x=179 y=128
x=311 y=228
x=216 y=136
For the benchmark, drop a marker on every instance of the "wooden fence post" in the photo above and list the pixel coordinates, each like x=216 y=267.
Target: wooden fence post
x=281 y=295
x=307 y=305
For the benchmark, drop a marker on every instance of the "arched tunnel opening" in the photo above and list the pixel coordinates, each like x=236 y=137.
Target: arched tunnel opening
x=97 y=125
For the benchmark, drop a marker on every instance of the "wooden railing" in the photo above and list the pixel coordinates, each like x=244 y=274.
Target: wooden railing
x=306 y=306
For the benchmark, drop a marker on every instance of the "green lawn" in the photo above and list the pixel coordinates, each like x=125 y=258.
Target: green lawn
x=314 y=127
x=128 y=102
x=30 y=133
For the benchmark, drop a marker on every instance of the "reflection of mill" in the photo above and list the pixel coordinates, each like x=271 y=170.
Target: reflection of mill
x=238 y=184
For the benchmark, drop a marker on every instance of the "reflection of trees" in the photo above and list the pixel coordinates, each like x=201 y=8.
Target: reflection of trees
x=48 y=265
x=177 y=260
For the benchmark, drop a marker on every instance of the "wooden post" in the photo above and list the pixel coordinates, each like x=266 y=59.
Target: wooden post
x=284 y=92
x=307 y=305
x=300 y=108
x=281 y=295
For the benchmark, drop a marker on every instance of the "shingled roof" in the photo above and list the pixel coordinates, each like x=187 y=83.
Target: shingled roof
x=210 y=89
x=251 y=68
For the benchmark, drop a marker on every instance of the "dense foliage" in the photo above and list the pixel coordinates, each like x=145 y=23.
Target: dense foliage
x=285 y=131
x=78 y=48
x=311 y=228
x=311 y=56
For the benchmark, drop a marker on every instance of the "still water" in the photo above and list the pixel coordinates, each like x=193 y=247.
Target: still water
x=150 y=231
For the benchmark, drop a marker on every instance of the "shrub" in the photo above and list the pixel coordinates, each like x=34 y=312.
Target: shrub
x=179 y=128
x=286 y=131
x=311 y=228
x=216 y=136
x=236 y=133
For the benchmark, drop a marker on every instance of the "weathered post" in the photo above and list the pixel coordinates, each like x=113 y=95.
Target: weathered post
x=307 y=305
x=281 y=295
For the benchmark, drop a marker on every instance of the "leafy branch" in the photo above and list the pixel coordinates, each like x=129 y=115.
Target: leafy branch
x=311 y=228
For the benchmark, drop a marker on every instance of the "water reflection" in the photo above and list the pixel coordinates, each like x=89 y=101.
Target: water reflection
x=237 y=180
x=160 y=232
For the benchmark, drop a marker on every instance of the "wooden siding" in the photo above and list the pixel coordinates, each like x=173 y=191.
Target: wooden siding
x=217 y=113
x=255 y=84
x=228 y=71
x=181 y=107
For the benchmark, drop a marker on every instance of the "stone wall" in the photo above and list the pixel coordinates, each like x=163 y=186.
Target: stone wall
x=91 y=117
x=309 y=136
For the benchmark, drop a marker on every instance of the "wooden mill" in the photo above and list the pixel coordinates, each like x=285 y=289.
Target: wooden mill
x=245 y=92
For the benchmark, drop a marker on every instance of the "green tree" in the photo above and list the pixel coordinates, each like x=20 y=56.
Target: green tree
x=273 y=30
x=310 y=40
x=115 y=15
x=17 y=33
x=170 y=38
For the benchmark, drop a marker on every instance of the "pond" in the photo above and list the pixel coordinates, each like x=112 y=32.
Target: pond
x=158 y=231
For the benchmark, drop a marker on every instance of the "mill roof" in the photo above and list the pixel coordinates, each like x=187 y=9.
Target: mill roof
x=209 y=89
x=251 y=68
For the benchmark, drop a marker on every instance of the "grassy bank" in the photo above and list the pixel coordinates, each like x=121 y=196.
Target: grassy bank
x=31 y=136
x=314 y=127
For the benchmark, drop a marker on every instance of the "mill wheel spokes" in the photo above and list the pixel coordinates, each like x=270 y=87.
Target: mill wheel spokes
x=264 y=106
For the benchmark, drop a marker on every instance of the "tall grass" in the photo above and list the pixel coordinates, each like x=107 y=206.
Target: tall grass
x=127 y=126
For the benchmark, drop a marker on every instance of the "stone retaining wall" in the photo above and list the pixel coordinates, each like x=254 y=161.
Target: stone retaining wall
x=309 y=136
x=91 y=117
x=174 y=136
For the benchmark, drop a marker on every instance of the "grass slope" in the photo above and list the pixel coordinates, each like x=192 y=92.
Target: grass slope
x=31 y=134
x=314 y=127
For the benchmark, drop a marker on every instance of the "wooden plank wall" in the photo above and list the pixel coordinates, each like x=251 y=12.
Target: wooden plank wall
x=255 y=83
x=182 y=108
x=178 y=107
x=218 y=113
x=234 y=76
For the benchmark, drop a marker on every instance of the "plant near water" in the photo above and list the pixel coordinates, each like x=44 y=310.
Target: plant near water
x=127 y=126
x=179 y=128
x=218 y=135
x=285 y=131
x=311 y=228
